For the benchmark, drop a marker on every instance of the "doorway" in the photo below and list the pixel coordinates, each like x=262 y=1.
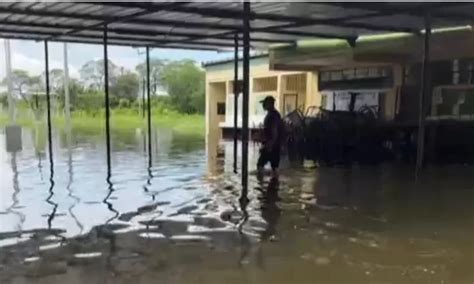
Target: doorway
x=290 y=103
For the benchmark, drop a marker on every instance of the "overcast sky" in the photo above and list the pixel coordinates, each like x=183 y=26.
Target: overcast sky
x=29 y=55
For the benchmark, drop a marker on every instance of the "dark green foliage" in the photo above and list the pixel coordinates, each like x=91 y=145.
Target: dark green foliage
x=182 y=80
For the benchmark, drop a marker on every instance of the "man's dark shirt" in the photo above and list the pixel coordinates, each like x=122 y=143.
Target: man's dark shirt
x=272 y=119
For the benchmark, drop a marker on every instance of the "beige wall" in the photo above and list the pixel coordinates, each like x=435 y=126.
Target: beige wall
x=215 y=93
x=219 y=83
x=391 y=95
x=313 y=96
x=219 y=80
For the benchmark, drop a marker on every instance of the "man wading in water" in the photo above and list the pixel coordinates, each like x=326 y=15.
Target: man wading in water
x=272 y=134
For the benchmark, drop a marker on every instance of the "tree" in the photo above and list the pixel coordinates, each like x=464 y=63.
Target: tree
x=56 y=79
x=22 y=83
x=75 y=88
x=92 y=73
x=126 y=87
x=185 y=83
x=156 y=70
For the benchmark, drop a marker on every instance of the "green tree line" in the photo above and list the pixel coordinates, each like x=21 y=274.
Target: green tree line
x=182 y=80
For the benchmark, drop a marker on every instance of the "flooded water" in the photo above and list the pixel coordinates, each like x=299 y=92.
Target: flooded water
x=180 y=221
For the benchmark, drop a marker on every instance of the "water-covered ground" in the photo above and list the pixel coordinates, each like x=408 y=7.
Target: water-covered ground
x=180 y=221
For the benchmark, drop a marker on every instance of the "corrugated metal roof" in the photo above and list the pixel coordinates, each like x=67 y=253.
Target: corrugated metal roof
x=212 y=25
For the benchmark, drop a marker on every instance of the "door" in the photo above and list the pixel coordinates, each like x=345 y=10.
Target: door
x=290 y=103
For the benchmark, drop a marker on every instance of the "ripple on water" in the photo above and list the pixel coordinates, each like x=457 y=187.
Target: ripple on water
x=87 y=255
x=151 y=235
x=189 y=238
x=176 y=205
x=50 y=246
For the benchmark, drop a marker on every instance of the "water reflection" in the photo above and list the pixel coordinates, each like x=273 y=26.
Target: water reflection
x=142 y=223
x=270 y=210
x=49 y=199
x=16 y=191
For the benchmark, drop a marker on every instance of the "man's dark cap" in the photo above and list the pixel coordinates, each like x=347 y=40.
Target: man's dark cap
x=269 y=99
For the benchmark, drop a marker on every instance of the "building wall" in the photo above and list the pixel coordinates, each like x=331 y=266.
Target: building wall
x=219 y=86
x=391 y=95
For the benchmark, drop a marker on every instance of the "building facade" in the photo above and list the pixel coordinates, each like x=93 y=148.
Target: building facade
x=291 y=89
x=379 y=74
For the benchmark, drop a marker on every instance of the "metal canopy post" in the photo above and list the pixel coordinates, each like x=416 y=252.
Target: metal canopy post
x=50 y=139
x=48 y=100
x=245 y=99
x=11 y=100
x=143 y=98
x=148 y=104
x=236 y=96
x=67 y=103
x=106 y=90
x=425 y=92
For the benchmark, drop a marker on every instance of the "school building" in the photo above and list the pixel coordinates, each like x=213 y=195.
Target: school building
x=383 y=71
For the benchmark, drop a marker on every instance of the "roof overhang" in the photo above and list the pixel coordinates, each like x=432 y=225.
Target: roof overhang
x=213 y=25
x=380 y=49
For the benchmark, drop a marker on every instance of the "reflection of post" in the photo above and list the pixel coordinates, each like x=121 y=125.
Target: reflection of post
x=71 y=180
x=236 y=95
x=424 y=96
x=52 y=215
x=212 y=144
x=67 y=103
x=16 y=191
x=39 y=148
x=245 y=98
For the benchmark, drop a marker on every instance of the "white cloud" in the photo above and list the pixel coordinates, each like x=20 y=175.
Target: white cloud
x=32 y=65
x=28 y=55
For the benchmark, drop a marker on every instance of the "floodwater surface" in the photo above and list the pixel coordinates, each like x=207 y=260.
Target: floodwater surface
x=180 y=221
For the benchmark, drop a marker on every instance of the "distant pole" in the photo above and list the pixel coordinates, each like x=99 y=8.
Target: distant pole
x=8 y=67
x=48 y=101
x=245 y=99
x=148 y=105
x=143 y=97
x=425 y=92
x=236 y=96
x=106 y=91
x=67 y=102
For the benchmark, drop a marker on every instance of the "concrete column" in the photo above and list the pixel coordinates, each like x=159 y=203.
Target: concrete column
x=8 y=67
x=67 y=102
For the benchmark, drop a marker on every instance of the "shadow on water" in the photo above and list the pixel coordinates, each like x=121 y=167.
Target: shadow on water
x=181 y=219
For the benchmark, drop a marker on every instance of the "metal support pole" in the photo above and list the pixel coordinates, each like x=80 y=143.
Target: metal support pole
x=106 y=91
x=67 y=103
x=48 y=101
x=148 y=105
x=425 y=92
x=143 y=106
x=8 y=67
x=50 y=140
x=107 y=130
x=245 y=99
x=236 y=96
